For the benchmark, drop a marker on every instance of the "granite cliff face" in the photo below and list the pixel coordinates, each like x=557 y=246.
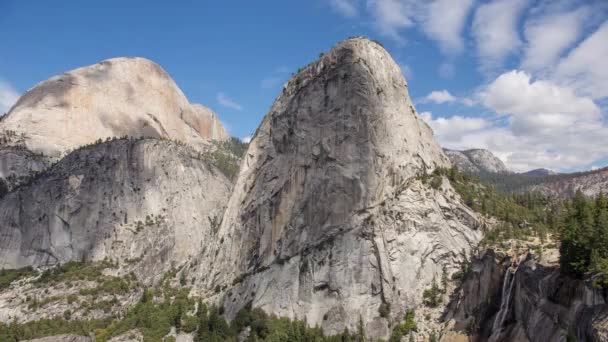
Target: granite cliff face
x=114 y=98
x=151 y=202
x=328 y=219
x=526 y=298
x=476 y=161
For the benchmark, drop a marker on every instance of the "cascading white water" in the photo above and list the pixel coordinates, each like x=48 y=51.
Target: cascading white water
x=507 y=289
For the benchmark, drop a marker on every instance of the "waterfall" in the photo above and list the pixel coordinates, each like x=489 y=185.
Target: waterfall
x=507 y=289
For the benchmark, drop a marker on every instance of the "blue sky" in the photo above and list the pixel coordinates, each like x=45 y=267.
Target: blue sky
x=525 y=79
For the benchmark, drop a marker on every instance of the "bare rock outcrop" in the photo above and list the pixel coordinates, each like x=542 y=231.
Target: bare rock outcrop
x=590 y=183
x=476 y=161
x=330 y=219
x=151 y=204
x=118 y=97
x=502 y=300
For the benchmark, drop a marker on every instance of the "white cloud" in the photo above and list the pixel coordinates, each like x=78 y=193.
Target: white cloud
x=392 y=16
x=549 y=35
x=347 y=8
x=225 y=101
x=537 y=124
x=246 y=139
x=444 y=96
x=450 y=130
x=495 y=31
x=515 y=93
x=585 y=67
x=440 y=96
x=8 y=96
x=443 y=21
x=468 y=102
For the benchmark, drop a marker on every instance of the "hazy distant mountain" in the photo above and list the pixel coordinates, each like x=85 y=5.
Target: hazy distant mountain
x=476 y=161
x=540 y=172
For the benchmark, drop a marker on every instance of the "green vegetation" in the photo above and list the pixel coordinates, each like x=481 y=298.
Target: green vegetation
x=520 y=182
x=8 y=276
x=583 y=228
x=266 y=327
x=227 y=156
x=74 y=271
x=384 y=310
x=432 y=296
x=154 y=320
x=521 y=215
x=404 y=328
x=580 y=224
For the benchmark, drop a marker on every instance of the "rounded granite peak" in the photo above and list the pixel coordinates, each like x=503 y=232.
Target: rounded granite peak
x=123 y=96
x=340 y=144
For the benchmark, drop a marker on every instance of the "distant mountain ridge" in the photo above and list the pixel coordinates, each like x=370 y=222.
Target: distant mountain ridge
x=490 y=169
x=540 y=172
x=476 y=160
x=118 y=97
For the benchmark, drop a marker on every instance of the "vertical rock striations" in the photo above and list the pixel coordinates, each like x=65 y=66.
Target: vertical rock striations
x=328 y=220
x=151 y=204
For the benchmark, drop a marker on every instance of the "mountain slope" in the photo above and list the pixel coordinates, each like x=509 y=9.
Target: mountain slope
x=114 y=98
x=328 y=220
x=590 y=183
x=476 y=161
x=142 y=201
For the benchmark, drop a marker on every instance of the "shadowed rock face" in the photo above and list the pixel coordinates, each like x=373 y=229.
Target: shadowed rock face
x=544 y=305
x=327 y=220
x=113 y=98
x=148 y=200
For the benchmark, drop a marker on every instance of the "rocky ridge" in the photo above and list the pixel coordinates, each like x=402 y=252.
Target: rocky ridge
x=127 y=96
x=476 y=161
x=506 y=297
x=329 y=219
x=152 y=202
x=590 y=183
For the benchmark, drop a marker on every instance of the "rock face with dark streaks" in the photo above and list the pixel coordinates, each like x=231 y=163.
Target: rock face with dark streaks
x=329 y=220
x=150 y=204
x=500 y=300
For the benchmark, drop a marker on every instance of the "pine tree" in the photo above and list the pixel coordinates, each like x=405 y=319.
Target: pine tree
x=361 y=331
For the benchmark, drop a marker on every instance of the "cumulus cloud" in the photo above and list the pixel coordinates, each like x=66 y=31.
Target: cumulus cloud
x=347 y=8
x=444 y=96
x=548 y=36
x=450 y=130
x=246 y=139
x=439 y=96
x=8 y=96
x=495 y=30
x=537 y=123
x=515 y=93
x=443 y=21
x=392 y=16
x=227 y=102
x=585 y=67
